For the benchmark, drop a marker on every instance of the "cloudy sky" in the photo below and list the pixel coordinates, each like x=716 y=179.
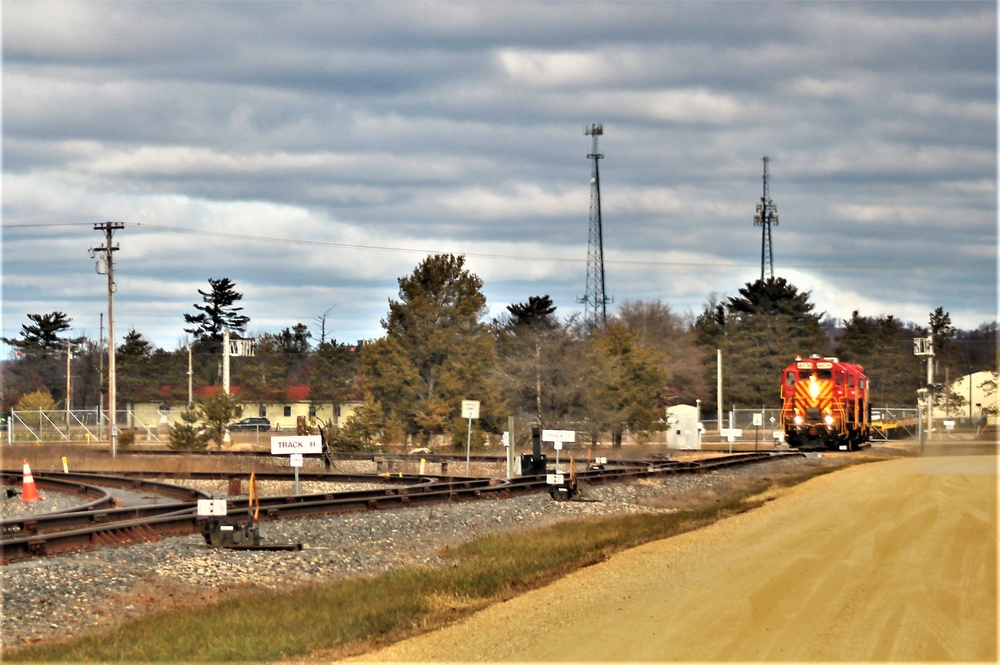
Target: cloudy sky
x=315 y=152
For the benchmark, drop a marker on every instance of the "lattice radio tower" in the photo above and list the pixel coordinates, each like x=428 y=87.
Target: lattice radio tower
x=765 y=217
x=594 y=300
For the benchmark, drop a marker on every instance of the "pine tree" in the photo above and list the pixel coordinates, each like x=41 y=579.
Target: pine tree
x=759 y=332
x=436 y=352
x=217 y=312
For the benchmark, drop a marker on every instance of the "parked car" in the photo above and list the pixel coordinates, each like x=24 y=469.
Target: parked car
x=251 y=425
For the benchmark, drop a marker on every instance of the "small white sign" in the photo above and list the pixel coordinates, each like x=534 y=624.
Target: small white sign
x=732 y=434
x=305 y=445
x=557 y=445
x=601 y=460
x=559 y=435
x=211 y=507
x=470 y=409
x=506 y=439
x=758 y=419
x=295 y=459
x=949 y=425
x=240 y=347
x=555 y=478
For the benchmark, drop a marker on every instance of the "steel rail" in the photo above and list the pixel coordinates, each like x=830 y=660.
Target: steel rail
x=142 y=523
x=101 y=498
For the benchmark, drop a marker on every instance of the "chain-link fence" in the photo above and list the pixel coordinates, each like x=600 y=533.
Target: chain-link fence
x=888 y=422
x=78 y=426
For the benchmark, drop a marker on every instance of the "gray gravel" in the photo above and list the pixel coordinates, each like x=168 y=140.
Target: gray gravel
x=67 y=595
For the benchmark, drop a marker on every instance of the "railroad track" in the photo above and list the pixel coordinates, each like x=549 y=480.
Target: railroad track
x=98 y=522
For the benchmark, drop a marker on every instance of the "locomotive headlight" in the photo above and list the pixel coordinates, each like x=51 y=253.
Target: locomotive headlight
x=828 y=419
x=798 y=420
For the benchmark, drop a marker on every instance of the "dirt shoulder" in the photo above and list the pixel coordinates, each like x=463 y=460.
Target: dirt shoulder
x=879 y=562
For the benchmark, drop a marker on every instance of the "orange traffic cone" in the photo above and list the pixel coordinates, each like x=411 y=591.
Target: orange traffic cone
x=28 y=490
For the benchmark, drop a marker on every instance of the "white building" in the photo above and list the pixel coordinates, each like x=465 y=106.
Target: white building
x=979 y=399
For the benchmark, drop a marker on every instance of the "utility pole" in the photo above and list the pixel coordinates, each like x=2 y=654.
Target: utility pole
x=595 y=300
x=100 y=378
x=225 y=360
x=765 y=216
x=106 y=264
x=69 y=381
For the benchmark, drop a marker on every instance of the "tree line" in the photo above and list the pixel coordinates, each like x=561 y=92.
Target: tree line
x=439 y=348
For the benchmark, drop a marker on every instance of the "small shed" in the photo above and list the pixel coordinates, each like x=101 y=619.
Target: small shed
x=683 y=427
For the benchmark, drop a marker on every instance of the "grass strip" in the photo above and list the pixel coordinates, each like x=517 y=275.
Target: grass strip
x=352 y=616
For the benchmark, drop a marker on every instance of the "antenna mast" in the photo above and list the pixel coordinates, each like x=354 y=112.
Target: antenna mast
x=765 y=216
x=594 y=300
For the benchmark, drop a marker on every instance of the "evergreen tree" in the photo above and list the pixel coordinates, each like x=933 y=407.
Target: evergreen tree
x=333 y=373
x=216 y=413
x=536 y=313
x=884 y=347
x=520 y=339
x=40 y=357
x=262 y=377
x=632 y=394
x=217 y=312
x=436 y=352
x=759 y=332
x=133 y=380
x=42 y=337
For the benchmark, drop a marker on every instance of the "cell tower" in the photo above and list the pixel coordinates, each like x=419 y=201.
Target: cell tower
x=766 y=215
x=594 y=300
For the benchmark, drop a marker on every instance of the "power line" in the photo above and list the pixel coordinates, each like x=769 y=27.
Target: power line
x=506 y=257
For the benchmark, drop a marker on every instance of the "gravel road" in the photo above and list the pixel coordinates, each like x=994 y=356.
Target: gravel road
x=894 y=561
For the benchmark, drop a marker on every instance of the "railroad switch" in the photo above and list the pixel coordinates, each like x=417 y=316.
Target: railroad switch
x=219 y=533
x=565 y=492
x=236 y=535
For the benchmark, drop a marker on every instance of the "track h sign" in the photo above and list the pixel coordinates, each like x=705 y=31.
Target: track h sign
x=559 y=435
x=301 y=445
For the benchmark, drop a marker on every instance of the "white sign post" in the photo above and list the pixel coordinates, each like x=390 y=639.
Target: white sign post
x=470 y=410
x=295 y=447
x=558 y=437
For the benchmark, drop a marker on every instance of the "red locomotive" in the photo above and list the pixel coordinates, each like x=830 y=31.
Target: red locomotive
x=824 y=404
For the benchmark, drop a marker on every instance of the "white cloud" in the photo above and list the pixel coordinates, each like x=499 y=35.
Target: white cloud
x=315 y=152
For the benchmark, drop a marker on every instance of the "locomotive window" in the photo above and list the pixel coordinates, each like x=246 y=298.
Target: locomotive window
x=850 y=381
x=790 y=378
x=840 y=379
x=805 y=374
x=824 y=374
